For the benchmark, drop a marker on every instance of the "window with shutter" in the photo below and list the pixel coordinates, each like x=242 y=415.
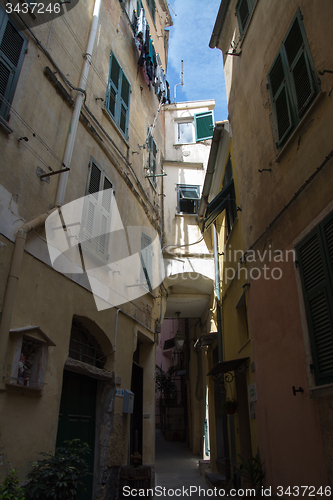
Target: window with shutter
x=292 y=81
x=315 y=256
x=204 y=125
x=118 y=96
x=146 y=260
x=12 y=49
x=188 y=198
x=224 y=201
x=184 y=132
x=96 y=220
x=151 y=158
x=244 y=10
x=152 y=8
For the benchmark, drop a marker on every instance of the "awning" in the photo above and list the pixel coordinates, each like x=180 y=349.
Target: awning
x=227 y=366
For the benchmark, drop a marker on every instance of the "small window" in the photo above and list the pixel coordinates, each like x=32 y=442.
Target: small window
x=188 y=199
x=84 y=347
x=315 y=257
x=146 y=261
x=185 y=132
x=12 y=49
x=292 y=81
x=204 y=126
x=118 y=96
x=244 y=10
x=151 y=158
x=96 y=219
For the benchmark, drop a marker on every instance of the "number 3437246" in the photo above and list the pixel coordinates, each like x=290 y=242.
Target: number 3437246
x=301 y=491
x=34 y=8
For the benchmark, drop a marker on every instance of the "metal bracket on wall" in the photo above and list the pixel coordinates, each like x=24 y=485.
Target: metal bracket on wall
x=297 y=390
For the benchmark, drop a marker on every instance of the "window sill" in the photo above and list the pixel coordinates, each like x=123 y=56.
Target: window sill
x=24 y=388
x=181 y=214
x=321 y=391
x=117 y=128
x=4 y=127
x=299 y=127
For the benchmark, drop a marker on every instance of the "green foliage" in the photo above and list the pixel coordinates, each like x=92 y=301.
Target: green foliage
x=252 y=470
x=10 y=488
x=57 y=476
x=165 y=383
x=229 y=406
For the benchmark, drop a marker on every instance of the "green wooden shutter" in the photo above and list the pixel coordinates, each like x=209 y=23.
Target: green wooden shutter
x=303 y=84
x=118 y=95
x=124 y=104
x=280 y=99
x=12 y=49
x=204 y=125
x=113 y=87
x=146 y=260
x=315 y=257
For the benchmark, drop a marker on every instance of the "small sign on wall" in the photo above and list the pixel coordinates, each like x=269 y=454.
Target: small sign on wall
x=252 y=388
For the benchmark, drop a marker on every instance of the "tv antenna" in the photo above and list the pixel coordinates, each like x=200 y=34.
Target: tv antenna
x=181 y=80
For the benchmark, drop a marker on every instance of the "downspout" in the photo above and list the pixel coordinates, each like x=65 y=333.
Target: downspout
x=217 y=293
x=21 y=236
x=78 y=105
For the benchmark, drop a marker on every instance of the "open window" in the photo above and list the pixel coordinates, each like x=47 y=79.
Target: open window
x=244 y=11
x=188 y=199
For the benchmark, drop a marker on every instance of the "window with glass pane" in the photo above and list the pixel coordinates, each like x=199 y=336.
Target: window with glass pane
x=292 y=81
x=184 y=132
x=188 y=199
x=118 y=96
x=96 y=217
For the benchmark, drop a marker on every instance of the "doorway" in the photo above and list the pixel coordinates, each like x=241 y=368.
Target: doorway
x=137 y=415
x=77 y=419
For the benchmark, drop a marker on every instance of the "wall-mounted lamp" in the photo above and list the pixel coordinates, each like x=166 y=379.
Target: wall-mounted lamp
x=179 y=337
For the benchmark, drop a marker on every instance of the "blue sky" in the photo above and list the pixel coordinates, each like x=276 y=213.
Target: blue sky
x=203 y=67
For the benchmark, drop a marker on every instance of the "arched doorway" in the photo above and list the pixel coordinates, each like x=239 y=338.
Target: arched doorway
x=77 y=415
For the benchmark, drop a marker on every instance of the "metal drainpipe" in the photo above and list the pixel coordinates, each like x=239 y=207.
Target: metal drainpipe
x=78 y=105
x=217 y=293
x=13 y=277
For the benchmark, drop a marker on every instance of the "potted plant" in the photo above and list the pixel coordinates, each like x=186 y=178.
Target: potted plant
x=229 y=406
x=252 y=472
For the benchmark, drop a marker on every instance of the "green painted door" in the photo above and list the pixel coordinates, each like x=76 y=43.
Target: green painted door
x=77 y=419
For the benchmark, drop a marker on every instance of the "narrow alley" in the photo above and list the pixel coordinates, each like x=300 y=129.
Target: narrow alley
x=177 y=469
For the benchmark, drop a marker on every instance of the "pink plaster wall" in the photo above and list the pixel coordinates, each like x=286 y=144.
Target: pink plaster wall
x=290 y=439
